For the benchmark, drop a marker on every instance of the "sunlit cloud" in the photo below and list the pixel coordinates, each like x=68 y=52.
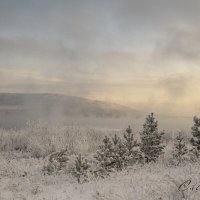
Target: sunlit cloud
x=143 y=54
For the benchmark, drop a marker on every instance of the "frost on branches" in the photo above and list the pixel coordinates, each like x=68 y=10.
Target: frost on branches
x=133 y=153
x=180 y=150
x=151 y=140
x=195 y=141
x=117 y=153
x=81 y=169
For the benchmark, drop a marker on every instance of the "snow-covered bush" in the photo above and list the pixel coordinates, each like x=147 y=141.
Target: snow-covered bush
x=57 y=161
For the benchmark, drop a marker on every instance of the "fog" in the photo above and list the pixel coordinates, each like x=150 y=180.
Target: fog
x=16 y=110
x=120 y=60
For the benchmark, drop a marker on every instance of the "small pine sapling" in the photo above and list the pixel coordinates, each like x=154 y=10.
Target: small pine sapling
x=119 y=151
x=129 y=141
x=195 y=140
x=105 y=157
x=180 y=149
x=115 y=140
x=132 y=152
x=81 y=169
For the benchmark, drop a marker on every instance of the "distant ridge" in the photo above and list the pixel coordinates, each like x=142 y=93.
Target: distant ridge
x=41 y=104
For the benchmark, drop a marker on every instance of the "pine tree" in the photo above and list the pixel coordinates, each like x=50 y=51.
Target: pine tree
x=105 y=157
x=151 y=139
x=129 y=141
x=180 y=149
x=195 y=141
x=132 y=152
x=81 y=169
x=115 y=140
x=110 y=156
x=119 y=157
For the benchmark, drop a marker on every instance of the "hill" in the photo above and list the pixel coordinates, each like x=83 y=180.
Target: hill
x=16 y=108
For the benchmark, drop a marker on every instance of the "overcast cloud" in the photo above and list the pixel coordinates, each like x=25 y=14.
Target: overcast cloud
x=129 y=52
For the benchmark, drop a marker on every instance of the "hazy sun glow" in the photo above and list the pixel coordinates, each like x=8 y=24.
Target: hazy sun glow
x=144 y=54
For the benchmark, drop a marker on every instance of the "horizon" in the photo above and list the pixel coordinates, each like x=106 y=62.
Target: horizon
x=143 y=113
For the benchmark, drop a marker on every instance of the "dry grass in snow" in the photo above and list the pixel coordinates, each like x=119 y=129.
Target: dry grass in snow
x=24 y=154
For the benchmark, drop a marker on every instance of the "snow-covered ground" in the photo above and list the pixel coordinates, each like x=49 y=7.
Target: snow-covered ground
x=23 y=179
x=23 y=156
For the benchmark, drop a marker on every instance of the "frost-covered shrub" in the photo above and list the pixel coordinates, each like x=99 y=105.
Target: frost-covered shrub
x=13 y=140
x=56 y=162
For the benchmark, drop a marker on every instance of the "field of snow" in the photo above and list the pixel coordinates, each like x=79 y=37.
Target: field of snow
x=23 y=179
x=24 y=154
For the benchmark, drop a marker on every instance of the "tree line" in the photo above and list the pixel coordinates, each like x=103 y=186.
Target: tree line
x=117 y=153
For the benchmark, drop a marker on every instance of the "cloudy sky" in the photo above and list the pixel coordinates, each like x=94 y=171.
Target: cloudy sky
x=140 y=53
